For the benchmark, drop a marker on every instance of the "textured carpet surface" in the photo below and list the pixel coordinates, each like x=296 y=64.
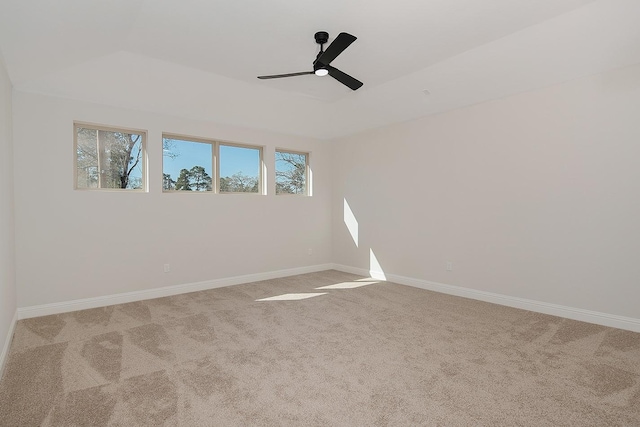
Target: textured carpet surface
x=321 y=349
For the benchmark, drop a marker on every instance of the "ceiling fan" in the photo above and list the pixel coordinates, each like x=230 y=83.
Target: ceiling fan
x=321 y=65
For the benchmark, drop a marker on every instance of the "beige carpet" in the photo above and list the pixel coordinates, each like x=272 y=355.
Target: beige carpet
x=358 y=353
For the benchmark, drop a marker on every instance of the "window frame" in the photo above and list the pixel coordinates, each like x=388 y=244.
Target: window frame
x=215 y=160
x=261 y=167
x=214 y=154
x=307 y=171
x=119 y=129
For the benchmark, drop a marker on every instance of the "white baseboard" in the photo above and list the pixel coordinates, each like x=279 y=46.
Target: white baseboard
x=83 y=304
x=605 y=319
x=7 y=343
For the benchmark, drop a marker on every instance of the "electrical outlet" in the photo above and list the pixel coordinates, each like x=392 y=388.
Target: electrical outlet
x=449 y=266
x=167 y=268
x=310 y=252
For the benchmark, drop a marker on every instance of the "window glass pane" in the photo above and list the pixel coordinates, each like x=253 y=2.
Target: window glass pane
x=186 y=165
x=291 y=173
x=239 y=169
x=109 y=159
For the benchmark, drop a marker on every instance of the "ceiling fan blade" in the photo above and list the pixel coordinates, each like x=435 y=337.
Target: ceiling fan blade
x=335 y=48
x=344 y=78
x=279 y=76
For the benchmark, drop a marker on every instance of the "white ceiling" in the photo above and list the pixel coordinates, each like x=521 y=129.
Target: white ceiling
x=200 y=59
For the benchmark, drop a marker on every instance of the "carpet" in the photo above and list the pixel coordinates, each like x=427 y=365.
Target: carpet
x=318 y=349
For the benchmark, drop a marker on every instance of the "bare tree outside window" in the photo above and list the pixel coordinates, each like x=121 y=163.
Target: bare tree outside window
x=238 y=183
x=109 y=159
x=291 y=172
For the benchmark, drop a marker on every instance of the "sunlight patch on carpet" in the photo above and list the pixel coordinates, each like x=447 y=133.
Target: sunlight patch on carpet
x=348 y=285
x=292 y=297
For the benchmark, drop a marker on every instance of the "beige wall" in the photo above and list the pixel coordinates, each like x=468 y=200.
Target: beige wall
x=535 y=196
x=7 y=265
x=82 y=244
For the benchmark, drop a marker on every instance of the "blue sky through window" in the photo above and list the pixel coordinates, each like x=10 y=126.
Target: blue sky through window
x=181 y=154
x=239 y=159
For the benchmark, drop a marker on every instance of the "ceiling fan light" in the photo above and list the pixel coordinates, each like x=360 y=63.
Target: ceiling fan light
x=321 y=72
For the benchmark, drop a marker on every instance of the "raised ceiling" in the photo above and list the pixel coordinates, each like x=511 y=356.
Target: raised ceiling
x=200 y=59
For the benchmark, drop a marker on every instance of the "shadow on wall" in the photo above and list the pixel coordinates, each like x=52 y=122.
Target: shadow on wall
x=375 y=269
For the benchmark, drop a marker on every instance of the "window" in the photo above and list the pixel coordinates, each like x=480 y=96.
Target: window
x=292 y=172
x=191 y=164
x=187 y=165
x=109 y=158
x=240 y=169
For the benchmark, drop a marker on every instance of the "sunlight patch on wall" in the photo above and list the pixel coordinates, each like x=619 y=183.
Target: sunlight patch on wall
x=351 y=222
x=375 y=270
x=347 y=285
x=292 y=297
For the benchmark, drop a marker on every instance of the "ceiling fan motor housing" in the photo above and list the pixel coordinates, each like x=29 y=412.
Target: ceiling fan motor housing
x=321 y=37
